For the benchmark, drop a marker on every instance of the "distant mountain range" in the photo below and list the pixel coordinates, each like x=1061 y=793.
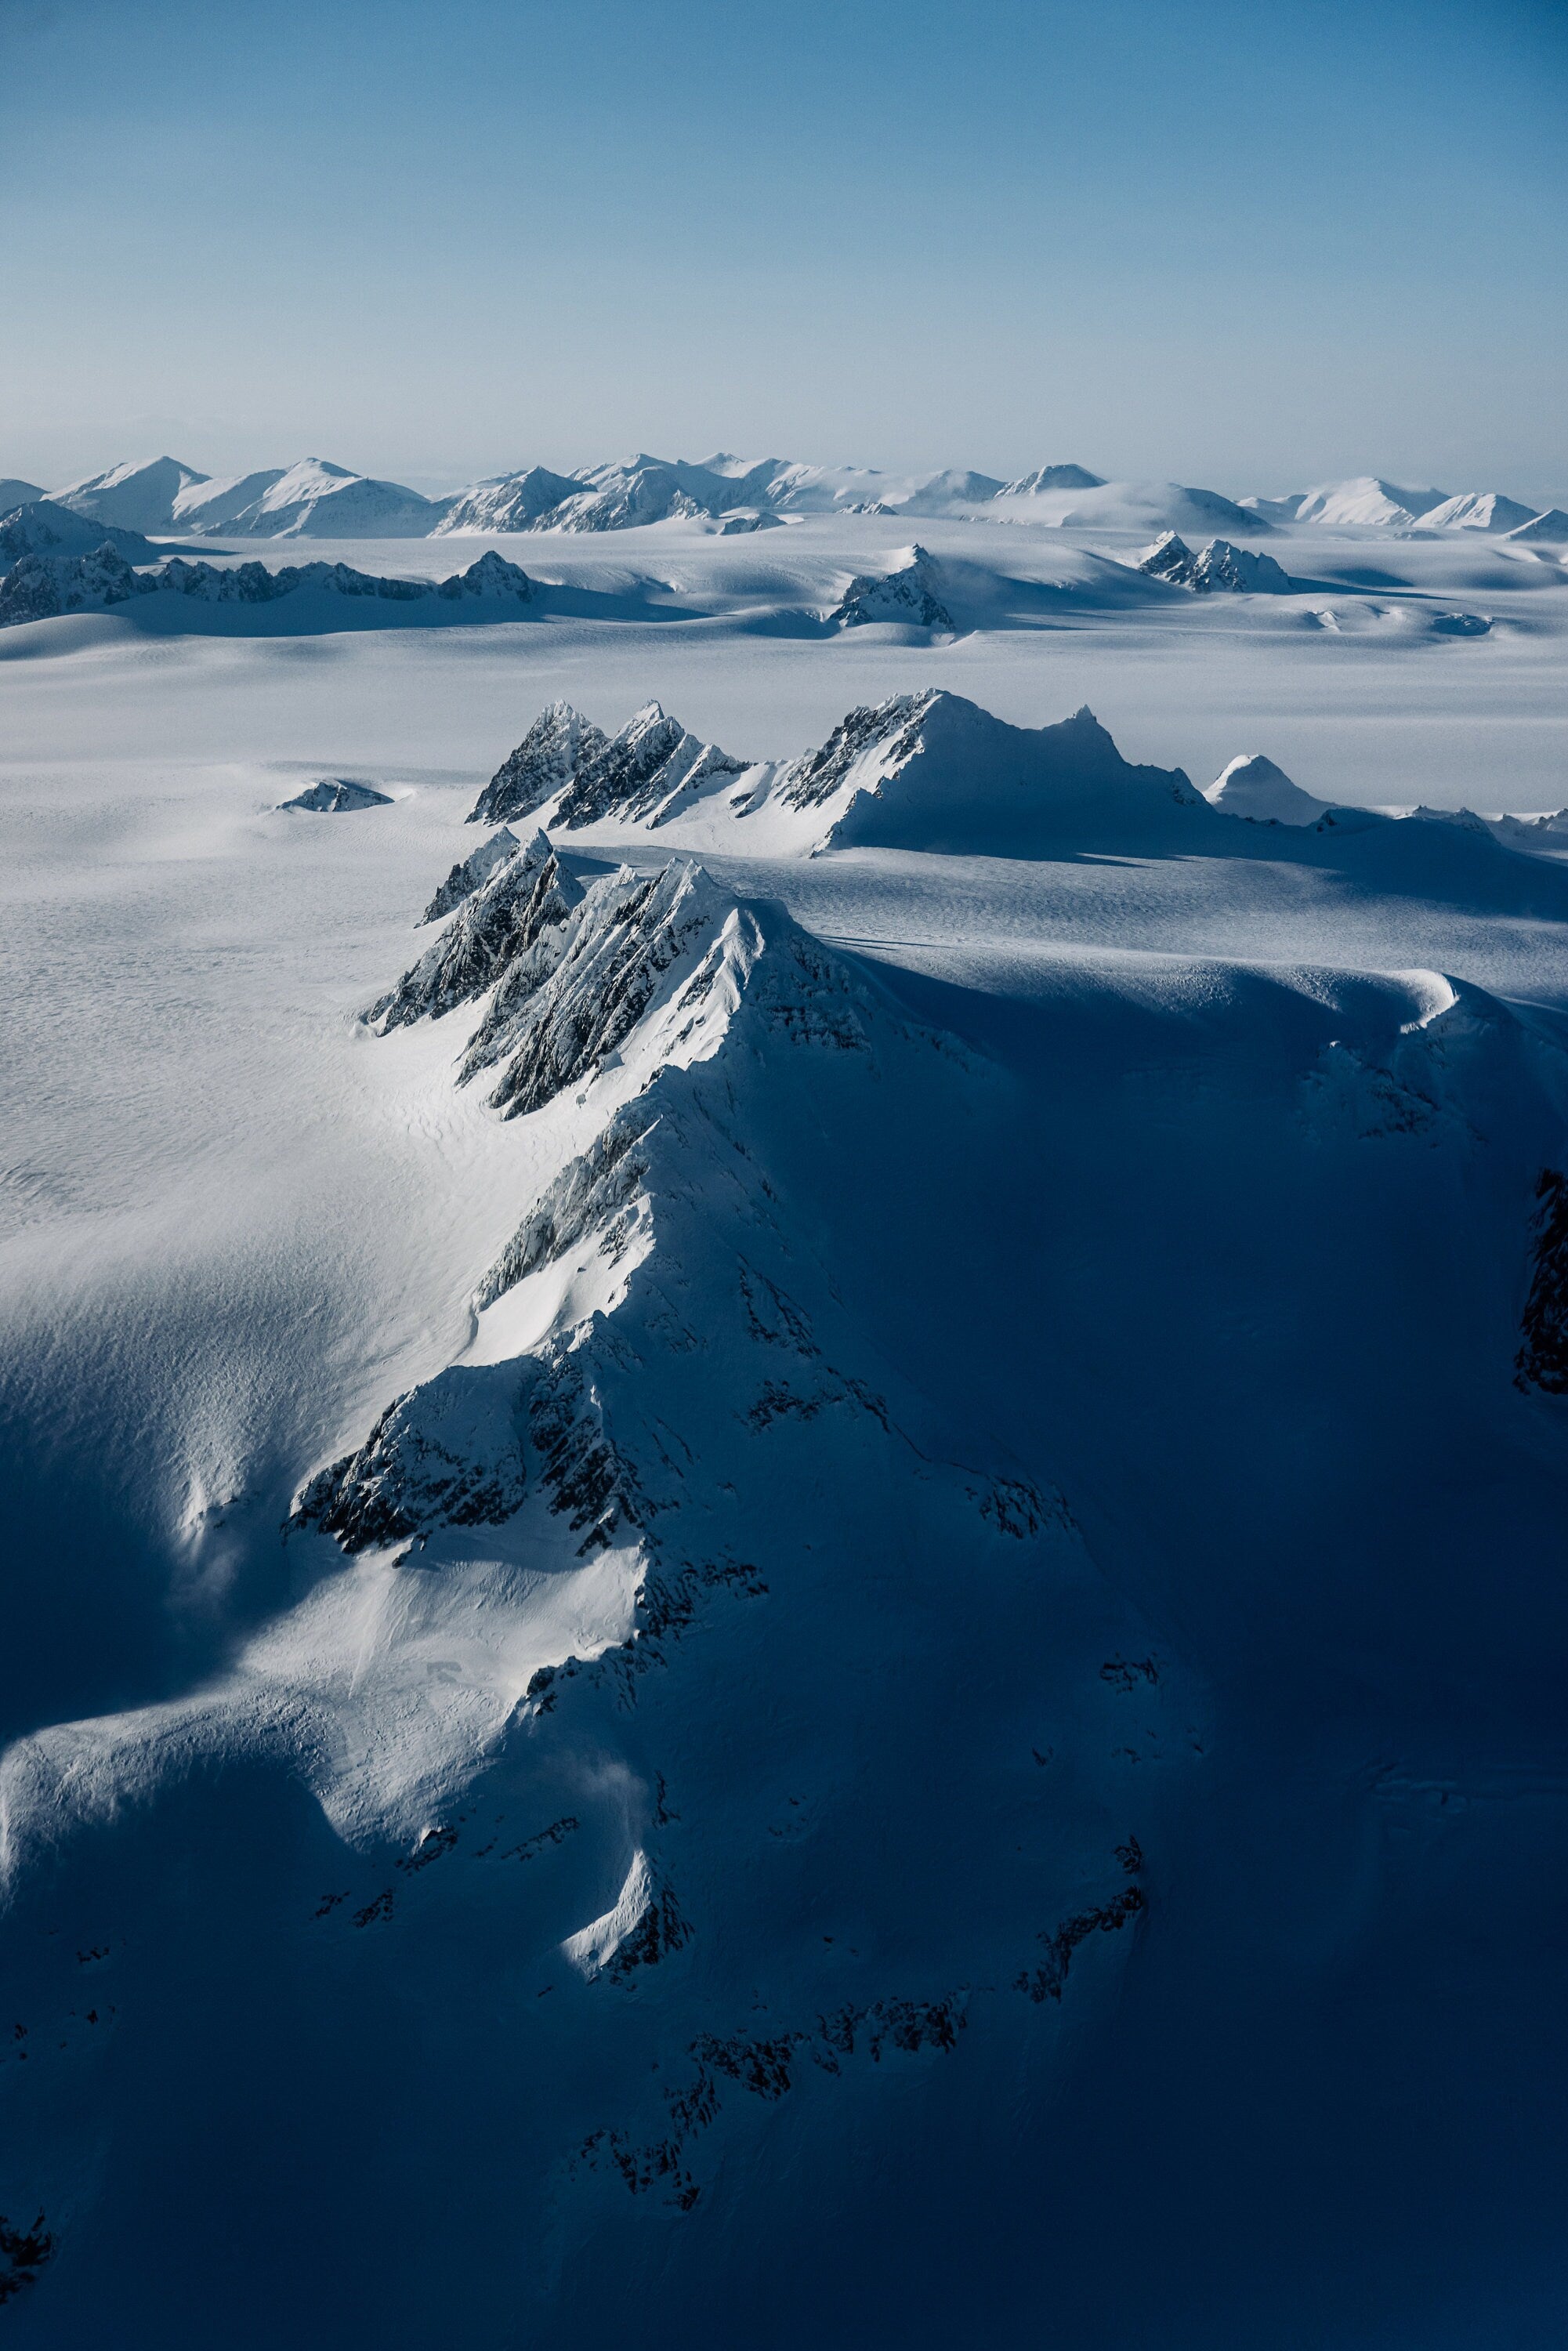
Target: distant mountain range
x=315 y=500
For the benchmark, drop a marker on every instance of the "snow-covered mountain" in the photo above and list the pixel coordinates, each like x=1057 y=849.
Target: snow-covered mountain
x=136 y=494
x=929 y=771
x=908 y=594
x=15 y=493
x=41 y=586
x=1253 y=786
x=319 y=499
x=314 y=500
x=1550 y=528
x=893 y=1632
x=212 y=506
x=1367 y=502
x=643 y=489
x=1478 y=510
x=1054 y=478
x=523 y=501
x=41 y=526
x=1217 y=567
x=1095 y=505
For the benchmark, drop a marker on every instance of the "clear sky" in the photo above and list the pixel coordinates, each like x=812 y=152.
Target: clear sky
x=1252 y=245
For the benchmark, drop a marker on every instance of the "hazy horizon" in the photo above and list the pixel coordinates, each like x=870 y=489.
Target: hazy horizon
x=1251 y=255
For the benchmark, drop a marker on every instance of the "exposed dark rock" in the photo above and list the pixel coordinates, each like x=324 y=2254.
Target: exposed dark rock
x=515 y=925
x=1124 y=1673
x=578 y=1468
x=1170 y=557
x=636 y=773
x=896 y=723
x=433 y=1846
x=556 y=745
x=41 y=586
x=491 y=575
x=659 y=1931
x=552 y=1034
x=1046 y=1982
x=638 y=770
x=1219 y=566
x=466 y=877
x=543 y=1839
x=24 y=2254
x=594 y=1192
x=909 y=595
x=336 y=795
x=447 y=1454
x=1542 y=1360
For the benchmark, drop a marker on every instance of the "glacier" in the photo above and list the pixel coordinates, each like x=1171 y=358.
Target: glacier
x=789 y=1476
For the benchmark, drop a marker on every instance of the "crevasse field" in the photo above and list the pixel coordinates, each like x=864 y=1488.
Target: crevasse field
x=805 y=1581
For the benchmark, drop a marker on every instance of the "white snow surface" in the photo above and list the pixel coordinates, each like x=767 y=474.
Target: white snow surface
x=1365 y=502
x=314 y=500
x=138 y=495
x=317 y=497
x=1252 y=785
x=1478 y=510
x=920 y=1615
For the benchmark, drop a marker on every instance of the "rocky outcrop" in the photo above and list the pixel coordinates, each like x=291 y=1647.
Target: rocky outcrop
x=644 y=772
x=336 y=796
x=891 y=726
x=513 y=927
x=907 y=594
x=490 y=575
x=560 y=742
x=467 y=874
x=42 y=526
x=25 y=2254
x=925 y=770
x=1543 y=1358
x=594 y=1194
x=544 y=1035
x=1219 y=566
x=40 y=587
x=448 y=1453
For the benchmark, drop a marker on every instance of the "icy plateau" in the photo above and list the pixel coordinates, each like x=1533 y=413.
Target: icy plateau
x=785 y=1486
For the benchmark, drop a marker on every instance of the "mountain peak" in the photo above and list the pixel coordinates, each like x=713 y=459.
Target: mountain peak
x=1055 y=477
x=908 y=593
x=136 y=494
x=1254 y=788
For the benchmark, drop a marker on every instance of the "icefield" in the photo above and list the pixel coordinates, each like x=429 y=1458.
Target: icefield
x=784 y=1259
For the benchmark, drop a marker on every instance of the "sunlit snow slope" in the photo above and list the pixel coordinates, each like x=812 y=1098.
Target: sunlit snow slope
x=787 y=1550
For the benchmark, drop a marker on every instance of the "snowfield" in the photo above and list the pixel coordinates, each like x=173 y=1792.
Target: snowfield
x=786 y=1401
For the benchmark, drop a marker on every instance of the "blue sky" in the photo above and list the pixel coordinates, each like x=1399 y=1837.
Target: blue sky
x=1246 y=245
